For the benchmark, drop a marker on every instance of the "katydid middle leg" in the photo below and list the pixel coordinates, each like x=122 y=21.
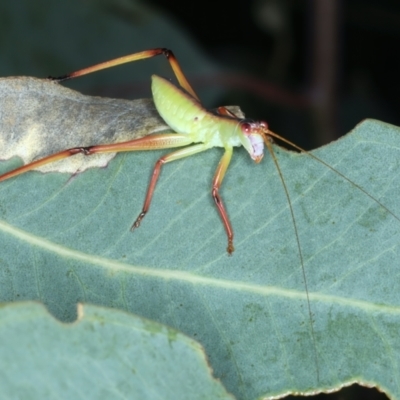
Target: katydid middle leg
x=176 y=155
x=136 y=57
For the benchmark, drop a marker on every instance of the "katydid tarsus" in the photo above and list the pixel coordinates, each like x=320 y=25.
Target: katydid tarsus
x=195 y=130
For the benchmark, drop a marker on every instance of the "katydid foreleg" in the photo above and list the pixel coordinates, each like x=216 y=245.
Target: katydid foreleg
x=218 y=177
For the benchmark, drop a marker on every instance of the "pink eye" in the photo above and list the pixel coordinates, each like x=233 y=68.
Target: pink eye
x=246 y=127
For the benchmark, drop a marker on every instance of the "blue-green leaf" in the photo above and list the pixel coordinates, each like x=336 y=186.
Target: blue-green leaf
x=66 y=239
x=105 y=354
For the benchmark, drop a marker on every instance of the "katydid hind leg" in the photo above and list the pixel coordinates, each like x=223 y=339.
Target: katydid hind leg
x=43 y=161
x=142 y=55
x=151 y=142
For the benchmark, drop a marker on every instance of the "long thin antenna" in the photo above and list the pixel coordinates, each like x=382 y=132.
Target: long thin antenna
x=270 y=149
x=275 y=135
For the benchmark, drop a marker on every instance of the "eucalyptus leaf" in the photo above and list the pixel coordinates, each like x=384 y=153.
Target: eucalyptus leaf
x=66 y=239
x=106 y=354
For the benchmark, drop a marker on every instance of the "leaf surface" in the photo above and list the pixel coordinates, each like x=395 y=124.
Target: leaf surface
x=105 y=354
x=66 y=239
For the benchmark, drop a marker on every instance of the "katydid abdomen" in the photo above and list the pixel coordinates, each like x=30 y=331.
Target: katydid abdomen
x=184 y=114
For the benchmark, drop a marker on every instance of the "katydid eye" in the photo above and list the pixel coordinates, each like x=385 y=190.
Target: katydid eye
x=246 y=127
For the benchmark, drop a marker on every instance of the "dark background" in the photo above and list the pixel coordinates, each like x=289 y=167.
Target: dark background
x=322 y=66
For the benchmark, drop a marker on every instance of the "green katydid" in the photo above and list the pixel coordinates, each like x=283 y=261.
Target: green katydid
x=195 y=130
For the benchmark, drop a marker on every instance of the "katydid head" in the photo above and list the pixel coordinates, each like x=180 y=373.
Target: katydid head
x=254 y=135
